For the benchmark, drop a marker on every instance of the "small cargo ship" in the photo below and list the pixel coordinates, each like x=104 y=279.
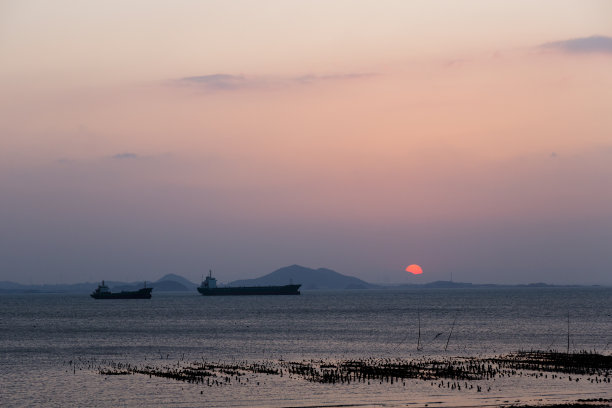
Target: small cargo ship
x=103 y=292
x=209 y=288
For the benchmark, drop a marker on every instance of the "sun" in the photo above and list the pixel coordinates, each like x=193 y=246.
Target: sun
x=414 y=269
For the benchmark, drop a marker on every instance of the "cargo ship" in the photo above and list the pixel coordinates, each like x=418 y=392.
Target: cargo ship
x=103 y=292
x=209 y=288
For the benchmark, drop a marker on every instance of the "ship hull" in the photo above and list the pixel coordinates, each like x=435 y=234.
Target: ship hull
x=251 y=291
x=138 y=294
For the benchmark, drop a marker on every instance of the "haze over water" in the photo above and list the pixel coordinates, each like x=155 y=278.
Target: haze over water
x=51 y=344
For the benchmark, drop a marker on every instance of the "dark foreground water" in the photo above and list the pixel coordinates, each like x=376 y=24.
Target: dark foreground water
x=43 y=335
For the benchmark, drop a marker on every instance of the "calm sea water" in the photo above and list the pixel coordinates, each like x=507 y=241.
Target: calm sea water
x=41 y=334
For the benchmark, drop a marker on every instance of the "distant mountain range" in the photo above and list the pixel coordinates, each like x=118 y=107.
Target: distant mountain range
x=310 y=279
x=168 y=283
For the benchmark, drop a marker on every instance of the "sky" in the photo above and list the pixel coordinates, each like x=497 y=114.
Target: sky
x=142 y=138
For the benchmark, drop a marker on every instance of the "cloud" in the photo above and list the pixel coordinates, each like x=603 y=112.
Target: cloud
x=593 y=44
x=125 y=156
x=226 y=82
x=218 y=81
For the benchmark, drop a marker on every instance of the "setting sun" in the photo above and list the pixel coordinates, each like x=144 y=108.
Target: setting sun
x=414 y=269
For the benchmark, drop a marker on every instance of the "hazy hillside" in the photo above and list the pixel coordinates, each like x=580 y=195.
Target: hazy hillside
x=173 y=282
x=168 y=283
x=309 y=278
x=11 y=287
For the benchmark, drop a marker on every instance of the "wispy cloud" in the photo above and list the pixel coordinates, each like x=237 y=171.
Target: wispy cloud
x=226 y=82
x=218 y=81
x=593 y=44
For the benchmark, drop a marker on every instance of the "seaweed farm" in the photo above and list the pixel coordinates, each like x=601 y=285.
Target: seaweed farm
x=450 y=372
x=423 y=348
x=459 y=375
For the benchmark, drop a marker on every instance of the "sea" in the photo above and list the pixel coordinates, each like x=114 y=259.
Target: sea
x=53 y=345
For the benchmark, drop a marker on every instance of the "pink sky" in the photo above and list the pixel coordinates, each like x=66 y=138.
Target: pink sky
x=144 y=138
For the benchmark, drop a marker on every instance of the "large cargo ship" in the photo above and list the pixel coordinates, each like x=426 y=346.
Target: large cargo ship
x=209 y=288
x=103 y=292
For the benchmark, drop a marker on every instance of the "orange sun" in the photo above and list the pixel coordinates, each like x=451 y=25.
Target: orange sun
x=414 y=269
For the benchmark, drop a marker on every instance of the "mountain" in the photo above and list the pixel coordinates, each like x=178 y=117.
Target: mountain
x=169 y=286
x=172 y=282
x=309 y=278
x=167 y=283
x=447 y=284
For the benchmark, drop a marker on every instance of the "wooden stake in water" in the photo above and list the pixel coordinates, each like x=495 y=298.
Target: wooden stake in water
x=419 y=339
x=450 y=334
x=568 y=333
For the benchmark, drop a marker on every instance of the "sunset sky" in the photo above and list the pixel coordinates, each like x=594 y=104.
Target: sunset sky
x=139 y=138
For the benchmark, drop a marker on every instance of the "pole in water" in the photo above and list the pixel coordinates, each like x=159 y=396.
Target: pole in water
x=450 y=334
x=568 y=333
x=419 y=339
